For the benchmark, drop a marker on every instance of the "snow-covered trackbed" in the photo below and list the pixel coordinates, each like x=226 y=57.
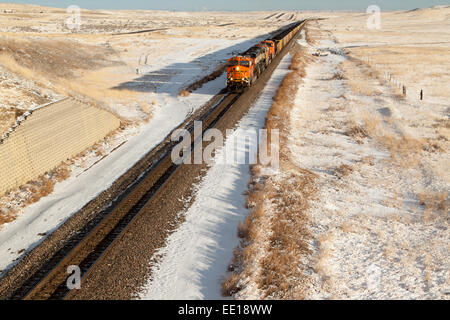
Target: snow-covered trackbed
x=155 y=180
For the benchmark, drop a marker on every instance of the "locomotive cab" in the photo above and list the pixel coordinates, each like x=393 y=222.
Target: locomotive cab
x=278 y=45
x=239 y=72
x=272 y=48
x=244 y=69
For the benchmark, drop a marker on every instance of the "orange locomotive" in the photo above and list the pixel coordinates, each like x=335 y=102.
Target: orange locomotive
x=270 y=44
x=244 y=69
x=240 y=72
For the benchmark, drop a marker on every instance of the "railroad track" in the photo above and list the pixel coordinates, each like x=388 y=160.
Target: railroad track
x=92 y=242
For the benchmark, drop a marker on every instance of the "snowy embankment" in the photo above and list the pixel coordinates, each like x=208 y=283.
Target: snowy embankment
x=198 y=253
x=379 y=225
x=374 y=223
x=69 y=196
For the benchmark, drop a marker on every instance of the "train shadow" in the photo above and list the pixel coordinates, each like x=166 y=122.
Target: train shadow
x=175 y=77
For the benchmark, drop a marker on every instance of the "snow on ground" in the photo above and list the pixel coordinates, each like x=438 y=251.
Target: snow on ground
x=185 y=61
x=165 y=67
x=198 y=253
x=373 y=237
x=72 y=194
x=23 y=234
x=19 y=95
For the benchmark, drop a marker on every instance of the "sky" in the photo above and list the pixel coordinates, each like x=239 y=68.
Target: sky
x=240 y=5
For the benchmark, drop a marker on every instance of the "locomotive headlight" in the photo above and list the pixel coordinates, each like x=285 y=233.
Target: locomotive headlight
x=237 y=69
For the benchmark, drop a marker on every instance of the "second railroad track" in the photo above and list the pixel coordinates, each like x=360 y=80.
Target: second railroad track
x=151 y=195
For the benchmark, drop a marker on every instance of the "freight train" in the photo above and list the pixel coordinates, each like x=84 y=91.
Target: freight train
x=244 y=69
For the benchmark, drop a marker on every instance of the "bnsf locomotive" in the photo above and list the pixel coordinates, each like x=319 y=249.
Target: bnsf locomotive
x=244 y=69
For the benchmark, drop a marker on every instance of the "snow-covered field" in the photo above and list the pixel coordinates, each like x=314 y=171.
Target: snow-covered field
x=148 y=102
x=198 y=253
x=72 y=194
x=372 y=236
x=378 y=224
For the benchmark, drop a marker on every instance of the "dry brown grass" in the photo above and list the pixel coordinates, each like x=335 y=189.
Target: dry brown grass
x=356 y=131
x=244 y=228
x=442 y=123
x=338 y=76
x=435 y=201
x=53 y=57
x=344 y=170
x=279 y=113
x=370 y=160
x=360 y=77
x=280 y=277
x=311 y=34
x=434 y=145
x=94 y=87
x=31 y=192
x=274 y=234
x=7 y=119
x=7 y=215
x=41 y=187
x=347 y=227
x=403 y=148
x=99 y=153
x=62 y=172
x=230 y=285
x=399 y=61
x=372 y=124
x=82 y=71
x=35 y=190
x=47 y=187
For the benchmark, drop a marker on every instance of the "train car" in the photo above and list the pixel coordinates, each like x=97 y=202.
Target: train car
x=271 y=46
x=244 y=69
x=278 y=45
x=260 y=58
x=239 y=72
x=265 y=50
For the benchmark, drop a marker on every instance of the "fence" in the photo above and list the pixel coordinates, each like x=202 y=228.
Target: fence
x=47 y=137
x=395 y=82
